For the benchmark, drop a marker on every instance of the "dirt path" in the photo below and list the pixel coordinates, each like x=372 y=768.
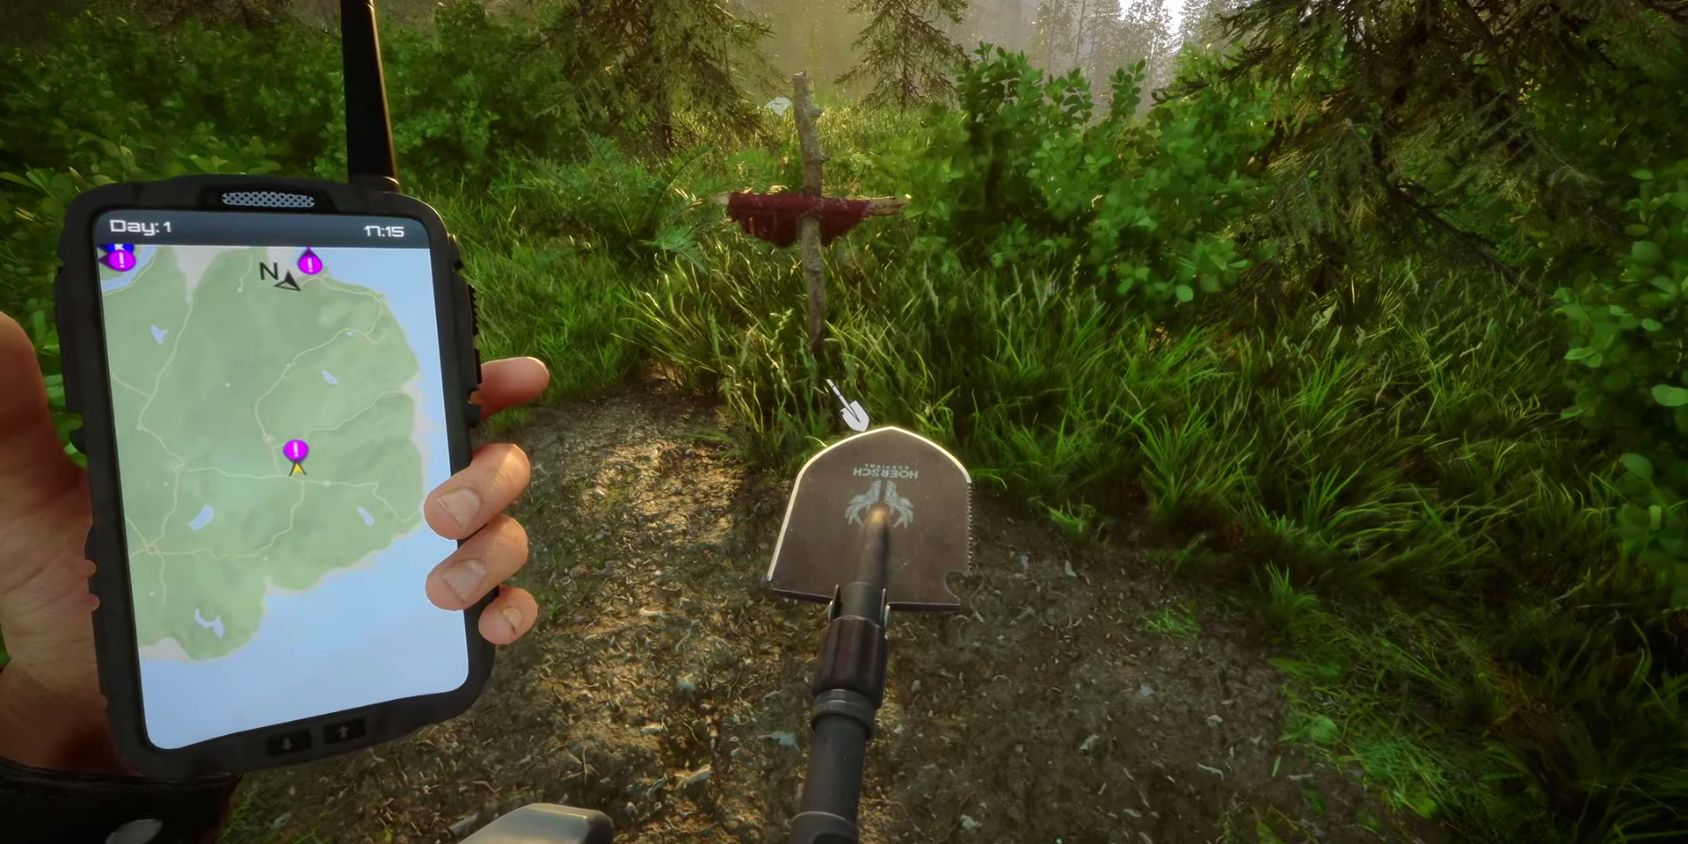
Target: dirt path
x=669 y=689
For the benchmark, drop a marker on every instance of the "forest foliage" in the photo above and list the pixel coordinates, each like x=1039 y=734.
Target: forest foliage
x=1378 y=306
x=905 y=51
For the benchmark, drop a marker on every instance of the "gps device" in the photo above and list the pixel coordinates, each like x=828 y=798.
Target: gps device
x=272 y=374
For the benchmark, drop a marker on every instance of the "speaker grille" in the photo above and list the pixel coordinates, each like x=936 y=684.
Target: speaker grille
x=268 y=199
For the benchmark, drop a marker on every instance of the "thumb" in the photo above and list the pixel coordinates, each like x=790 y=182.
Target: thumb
x=34 y=469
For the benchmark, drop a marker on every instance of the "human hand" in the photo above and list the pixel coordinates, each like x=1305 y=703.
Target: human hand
x=51 y=712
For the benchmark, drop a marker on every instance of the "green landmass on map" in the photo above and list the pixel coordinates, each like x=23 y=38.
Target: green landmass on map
x=202 y=411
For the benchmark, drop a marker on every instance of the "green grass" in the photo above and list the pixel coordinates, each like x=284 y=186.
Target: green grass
x=1177 y=622
x=1413 y=471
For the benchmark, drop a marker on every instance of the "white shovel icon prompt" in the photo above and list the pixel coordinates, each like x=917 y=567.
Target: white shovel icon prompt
x=854 y=415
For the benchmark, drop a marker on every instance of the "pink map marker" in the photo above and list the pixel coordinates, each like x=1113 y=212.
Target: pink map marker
x=296 y=451
x=120 y=260
x=309 y=263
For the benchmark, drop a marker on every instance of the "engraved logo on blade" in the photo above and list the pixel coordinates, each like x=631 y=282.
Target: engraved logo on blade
x=874 y=470
x=900 y=505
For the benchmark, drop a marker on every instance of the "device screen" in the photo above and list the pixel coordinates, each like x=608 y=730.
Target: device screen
x=279 y=412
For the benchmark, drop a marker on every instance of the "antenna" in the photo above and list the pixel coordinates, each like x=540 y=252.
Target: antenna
x=369 y=134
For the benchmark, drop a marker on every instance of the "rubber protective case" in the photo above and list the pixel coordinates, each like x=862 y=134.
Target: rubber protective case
x=88 y=391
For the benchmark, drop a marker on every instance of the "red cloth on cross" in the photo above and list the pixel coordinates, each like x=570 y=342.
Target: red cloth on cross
x=773 y=217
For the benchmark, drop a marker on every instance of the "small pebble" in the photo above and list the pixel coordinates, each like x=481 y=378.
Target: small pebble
x=969 y=824
x=686 y=683
x=1145 y=690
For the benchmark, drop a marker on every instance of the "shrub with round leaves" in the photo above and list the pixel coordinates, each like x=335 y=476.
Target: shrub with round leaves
x=1629 y=361
x=1145 y=206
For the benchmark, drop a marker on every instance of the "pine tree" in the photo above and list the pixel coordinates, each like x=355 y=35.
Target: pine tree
x=251 y=14
x=1010 y=24
x=1057 y=37
x=1414 y=119
x=1104 y=46
x=904 y=50
x=1203 y=23
x=803 y=37
x=815 y=37
x=1098 y=23
x=1148 y=37
x=648 y=61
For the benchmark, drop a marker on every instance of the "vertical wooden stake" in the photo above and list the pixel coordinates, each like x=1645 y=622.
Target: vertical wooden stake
x=809 y=228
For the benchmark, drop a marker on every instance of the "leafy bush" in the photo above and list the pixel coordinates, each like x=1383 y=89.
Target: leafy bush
x=469 y=96
x=632 y=210
x=221 y=107
x=476 y=94
x=1630 y=355
x=1145 y=207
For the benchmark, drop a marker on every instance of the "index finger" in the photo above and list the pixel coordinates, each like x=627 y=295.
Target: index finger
x=511 y=381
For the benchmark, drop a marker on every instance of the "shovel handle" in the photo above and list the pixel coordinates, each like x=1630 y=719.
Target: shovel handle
x=833 y=789
x=849 y=685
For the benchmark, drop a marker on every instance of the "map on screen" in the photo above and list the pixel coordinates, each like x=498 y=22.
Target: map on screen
x=279 y=420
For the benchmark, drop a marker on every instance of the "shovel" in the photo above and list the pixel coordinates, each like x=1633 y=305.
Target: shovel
x=876 y=521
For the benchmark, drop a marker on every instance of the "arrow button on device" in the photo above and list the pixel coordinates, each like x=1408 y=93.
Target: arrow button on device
x=344 y=731
x=284 y=743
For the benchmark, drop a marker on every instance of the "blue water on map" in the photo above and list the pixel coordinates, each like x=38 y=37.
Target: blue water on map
x=362 y=635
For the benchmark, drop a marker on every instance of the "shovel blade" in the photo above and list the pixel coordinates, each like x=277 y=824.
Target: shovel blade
x=929 y=496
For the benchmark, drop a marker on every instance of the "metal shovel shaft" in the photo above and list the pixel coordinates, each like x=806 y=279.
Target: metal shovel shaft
x=833 y=788
x=874 y=570
x=849 y=685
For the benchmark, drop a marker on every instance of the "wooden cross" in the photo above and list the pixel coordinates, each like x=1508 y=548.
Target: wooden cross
x=809 y=232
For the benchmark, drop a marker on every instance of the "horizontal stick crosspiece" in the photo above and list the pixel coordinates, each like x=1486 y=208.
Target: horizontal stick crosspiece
x=775 y=217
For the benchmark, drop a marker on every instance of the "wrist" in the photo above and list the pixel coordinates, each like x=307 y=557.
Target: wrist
x=45 y=729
